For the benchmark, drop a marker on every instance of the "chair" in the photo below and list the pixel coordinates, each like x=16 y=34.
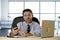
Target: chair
x=20 y=19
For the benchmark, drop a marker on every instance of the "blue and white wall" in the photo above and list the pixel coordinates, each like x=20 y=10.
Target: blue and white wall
x=4 y=9
x=0 y=9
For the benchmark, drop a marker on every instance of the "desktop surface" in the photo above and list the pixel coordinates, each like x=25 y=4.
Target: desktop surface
x=30 y=38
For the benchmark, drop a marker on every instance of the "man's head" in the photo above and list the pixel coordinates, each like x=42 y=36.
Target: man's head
x=27 y=15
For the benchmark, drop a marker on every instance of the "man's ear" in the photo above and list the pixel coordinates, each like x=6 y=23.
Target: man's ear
x=32 y=14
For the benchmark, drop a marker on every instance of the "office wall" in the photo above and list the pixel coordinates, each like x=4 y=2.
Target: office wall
x=34 y=0
x=0 y=9
x=23 y=0
x=4 y=9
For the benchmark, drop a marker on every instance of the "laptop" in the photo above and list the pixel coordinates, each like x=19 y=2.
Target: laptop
x=47 y=28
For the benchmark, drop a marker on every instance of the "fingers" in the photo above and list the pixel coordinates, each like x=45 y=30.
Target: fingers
x=22 y=33
x=14 y=31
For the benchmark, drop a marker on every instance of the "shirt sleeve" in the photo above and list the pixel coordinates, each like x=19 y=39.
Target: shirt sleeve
x=37 y=29
x=19 y=25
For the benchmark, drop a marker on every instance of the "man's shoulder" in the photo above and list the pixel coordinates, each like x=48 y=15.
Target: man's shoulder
x=35 y=23
x=19 y=22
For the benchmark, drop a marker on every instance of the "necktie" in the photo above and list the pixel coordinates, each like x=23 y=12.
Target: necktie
x=28 y=29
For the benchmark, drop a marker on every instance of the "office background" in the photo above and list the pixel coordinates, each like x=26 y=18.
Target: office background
x=42 y=9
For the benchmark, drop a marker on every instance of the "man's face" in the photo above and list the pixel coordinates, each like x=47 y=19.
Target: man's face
x=27 y=17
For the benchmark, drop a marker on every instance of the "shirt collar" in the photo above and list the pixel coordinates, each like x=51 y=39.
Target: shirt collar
x=27 y=24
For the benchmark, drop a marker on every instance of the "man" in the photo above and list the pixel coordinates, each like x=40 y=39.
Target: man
x=27 y=27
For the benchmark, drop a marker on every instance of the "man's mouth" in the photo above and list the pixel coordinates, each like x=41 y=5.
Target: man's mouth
x=28 y=19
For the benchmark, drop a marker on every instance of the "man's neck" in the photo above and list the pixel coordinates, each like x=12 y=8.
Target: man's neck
x=29 y=22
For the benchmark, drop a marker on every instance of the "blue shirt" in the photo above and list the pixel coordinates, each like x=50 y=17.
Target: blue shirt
x=34 y=26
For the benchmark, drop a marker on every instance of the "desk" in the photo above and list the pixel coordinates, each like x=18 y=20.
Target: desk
x=30 y=38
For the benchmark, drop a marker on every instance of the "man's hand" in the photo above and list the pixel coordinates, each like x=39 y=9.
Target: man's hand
x=29 y=34
x=13 y=32
x=21 y=32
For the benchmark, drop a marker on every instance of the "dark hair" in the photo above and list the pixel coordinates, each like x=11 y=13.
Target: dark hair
x=26 y=10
